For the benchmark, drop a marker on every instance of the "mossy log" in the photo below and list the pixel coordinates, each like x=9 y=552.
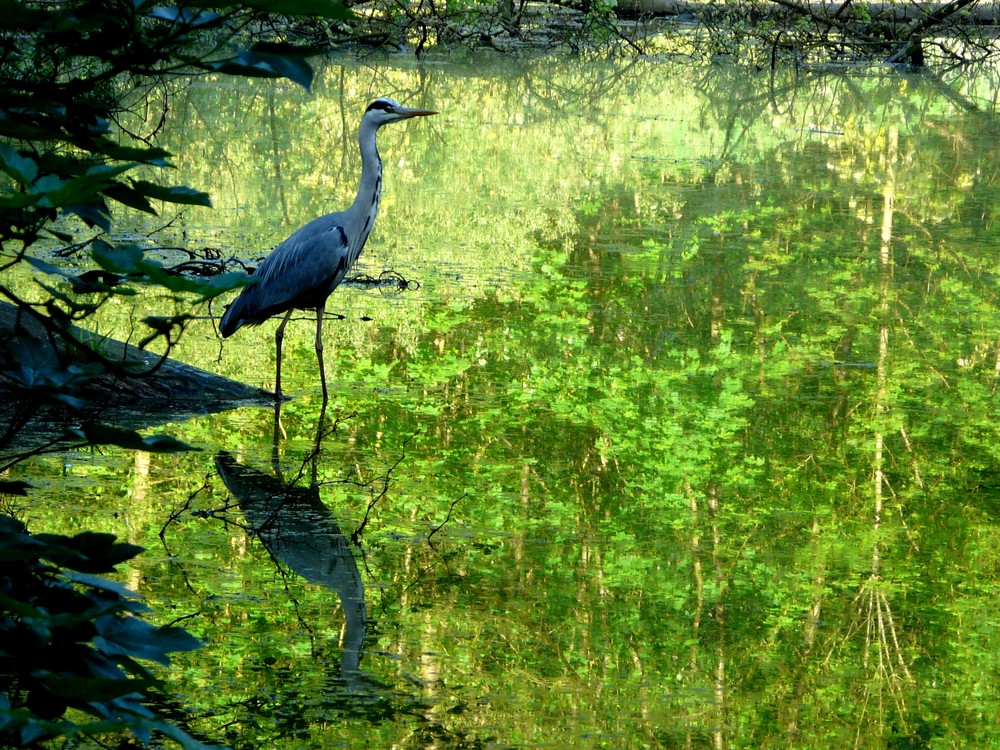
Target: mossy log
x=136 y=382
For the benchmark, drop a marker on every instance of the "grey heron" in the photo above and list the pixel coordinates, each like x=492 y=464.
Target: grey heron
x=301 y=272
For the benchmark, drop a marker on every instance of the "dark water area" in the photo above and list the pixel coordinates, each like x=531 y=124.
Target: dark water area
x=682 y=433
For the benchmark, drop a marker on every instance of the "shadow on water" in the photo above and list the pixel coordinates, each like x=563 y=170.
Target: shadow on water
x=300 y=533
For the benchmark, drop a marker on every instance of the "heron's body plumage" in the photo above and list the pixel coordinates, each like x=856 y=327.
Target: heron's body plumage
x=299 y=273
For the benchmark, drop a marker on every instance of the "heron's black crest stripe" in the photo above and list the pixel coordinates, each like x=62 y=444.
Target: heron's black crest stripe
x=379 y=104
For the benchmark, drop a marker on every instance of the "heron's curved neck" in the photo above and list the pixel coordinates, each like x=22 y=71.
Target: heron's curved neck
x=365 y=206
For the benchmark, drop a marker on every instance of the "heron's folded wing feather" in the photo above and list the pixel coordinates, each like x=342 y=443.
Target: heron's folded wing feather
x=302 y=270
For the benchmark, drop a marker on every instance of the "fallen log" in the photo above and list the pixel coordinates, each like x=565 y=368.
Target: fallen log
x=138 y=374
x=137 y=391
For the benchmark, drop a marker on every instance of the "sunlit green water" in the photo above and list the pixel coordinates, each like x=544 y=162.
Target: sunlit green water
x=685 y=435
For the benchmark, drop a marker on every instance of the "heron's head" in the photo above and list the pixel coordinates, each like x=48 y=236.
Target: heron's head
x=385 y=110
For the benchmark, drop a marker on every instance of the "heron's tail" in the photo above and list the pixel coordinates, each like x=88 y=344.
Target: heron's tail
x=232 y=318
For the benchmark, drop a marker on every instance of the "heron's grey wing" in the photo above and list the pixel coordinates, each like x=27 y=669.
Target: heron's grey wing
x=301 y=271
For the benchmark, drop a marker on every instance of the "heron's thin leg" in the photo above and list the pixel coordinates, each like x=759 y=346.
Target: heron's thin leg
x=319 y=350
x=278 y=336
x=320 y=424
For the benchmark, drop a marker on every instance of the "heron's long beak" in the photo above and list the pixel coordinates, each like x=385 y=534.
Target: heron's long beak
x=406 y=112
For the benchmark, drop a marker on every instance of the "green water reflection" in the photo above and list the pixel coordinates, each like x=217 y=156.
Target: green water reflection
x=685 y=434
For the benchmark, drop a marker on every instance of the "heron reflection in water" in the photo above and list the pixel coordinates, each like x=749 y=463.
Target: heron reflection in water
x=299 y=531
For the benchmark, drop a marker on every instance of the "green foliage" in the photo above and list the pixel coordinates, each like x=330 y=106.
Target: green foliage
x=72 y=642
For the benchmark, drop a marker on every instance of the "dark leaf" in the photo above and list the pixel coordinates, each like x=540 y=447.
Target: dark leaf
x=11 y=606
x=73 y=402
x=88 y=551
x=24 y=169
x=59 y=235
x=260 y=62
x=18 y=200
x=213 y=286
x=84 y=188
x=47 y=184
x=95 y=214
x=247 y=64
x=34 y=730
x=89 y=282
x=77 y=688
x=151 y=155
x=182 y=738
x=183 y=195
x=129 y=197
x=164 y=324
x=14 y=487
x=31 y=364
x=46 y=267
x=129 y=260
x=136 y=638
x=187 y=17
x=99 y=582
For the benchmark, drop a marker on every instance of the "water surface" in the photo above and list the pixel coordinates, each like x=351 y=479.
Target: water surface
x=683 y=433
